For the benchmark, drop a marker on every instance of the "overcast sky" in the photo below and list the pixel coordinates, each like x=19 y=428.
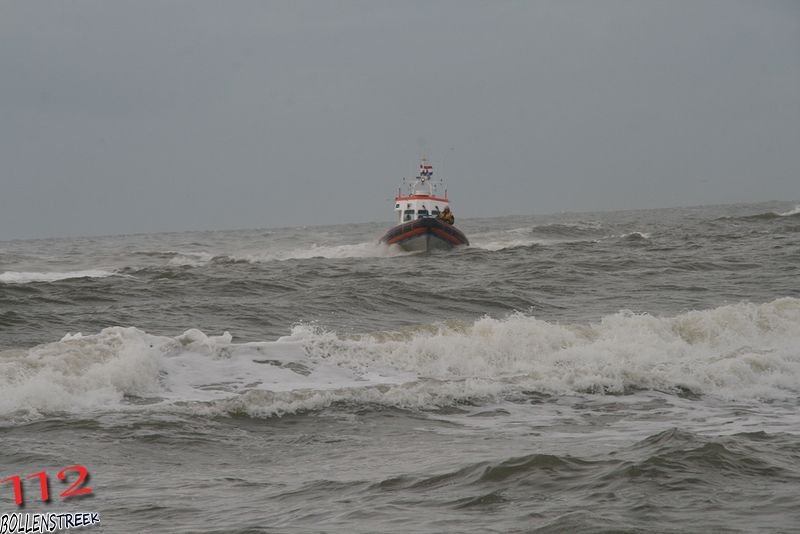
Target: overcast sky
x=145 y=116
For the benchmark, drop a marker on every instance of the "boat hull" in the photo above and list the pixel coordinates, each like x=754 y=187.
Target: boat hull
x=425 y=234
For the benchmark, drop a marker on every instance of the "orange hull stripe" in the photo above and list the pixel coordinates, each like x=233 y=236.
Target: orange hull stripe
x=421 y=197
x=406 y=235
x=419 y=231
x=446 y=236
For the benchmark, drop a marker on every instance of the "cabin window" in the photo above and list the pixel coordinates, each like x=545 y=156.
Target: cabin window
x=435 y=213
x=408 y=215
x=422 y=213
x=397 y=206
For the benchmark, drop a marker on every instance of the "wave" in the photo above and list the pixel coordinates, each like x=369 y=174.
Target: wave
x=765 y=216
x=178 y=259
x=672 y=455
x=581 y=229
x=507 y=471
x=791 y=213
x=634 y=236
x=681 y=461
x=496 y=243
x=742 y=351
x=671 y=452
x=13 y=277
x=190 y=259
x=358 y=250
x=544 y=234
x=202 y=258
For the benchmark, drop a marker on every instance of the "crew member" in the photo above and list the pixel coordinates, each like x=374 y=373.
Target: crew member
x=447 y=216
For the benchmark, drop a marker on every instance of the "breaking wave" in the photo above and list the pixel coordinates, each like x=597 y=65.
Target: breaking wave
x=792 y=212
x=358 y=250
x=635 y=236
x=190 y=259
x=765 y=216
x=544 y=234
x=13 y=277
x=581 y=229
x=738 y=351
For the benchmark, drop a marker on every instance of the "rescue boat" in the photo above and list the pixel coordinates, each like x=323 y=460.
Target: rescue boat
x=421 y=216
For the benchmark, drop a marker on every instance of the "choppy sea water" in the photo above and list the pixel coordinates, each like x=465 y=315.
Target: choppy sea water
x=597 y=372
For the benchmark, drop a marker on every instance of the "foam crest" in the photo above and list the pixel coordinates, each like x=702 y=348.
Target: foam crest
x=542 y=234
x=742 y=351
x=190 y=259
x=634 y=236
x=513 y=238
x=80 y=373
x=730 y=351
x=13 y=277
x=358 y=250
x=792 y=212
x=495 y=243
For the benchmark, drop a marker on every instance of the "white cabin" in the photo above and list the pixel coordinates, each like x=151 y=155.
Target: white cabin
x=422 y=200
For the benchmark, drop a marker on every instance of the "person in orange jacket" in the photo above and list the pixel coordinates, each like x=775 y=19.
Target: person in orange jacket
x=447 y=216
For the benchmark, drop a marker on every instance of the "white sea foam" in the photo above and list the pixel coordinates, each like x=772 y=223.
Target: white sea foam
x=13 y=277
x=495 y=243
x=742 y=351
x=544 y=234
x=358 y=250
x=634 y=235
x=792 y=212
x=190 y=259
x=513 y=238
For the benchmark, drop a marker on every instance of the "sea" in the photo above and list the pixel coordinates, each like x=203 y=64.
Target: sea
x=627 y=372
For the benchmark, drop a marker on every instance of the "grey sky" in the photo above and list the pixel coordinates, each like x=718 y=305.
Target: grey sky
x=142 y=116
